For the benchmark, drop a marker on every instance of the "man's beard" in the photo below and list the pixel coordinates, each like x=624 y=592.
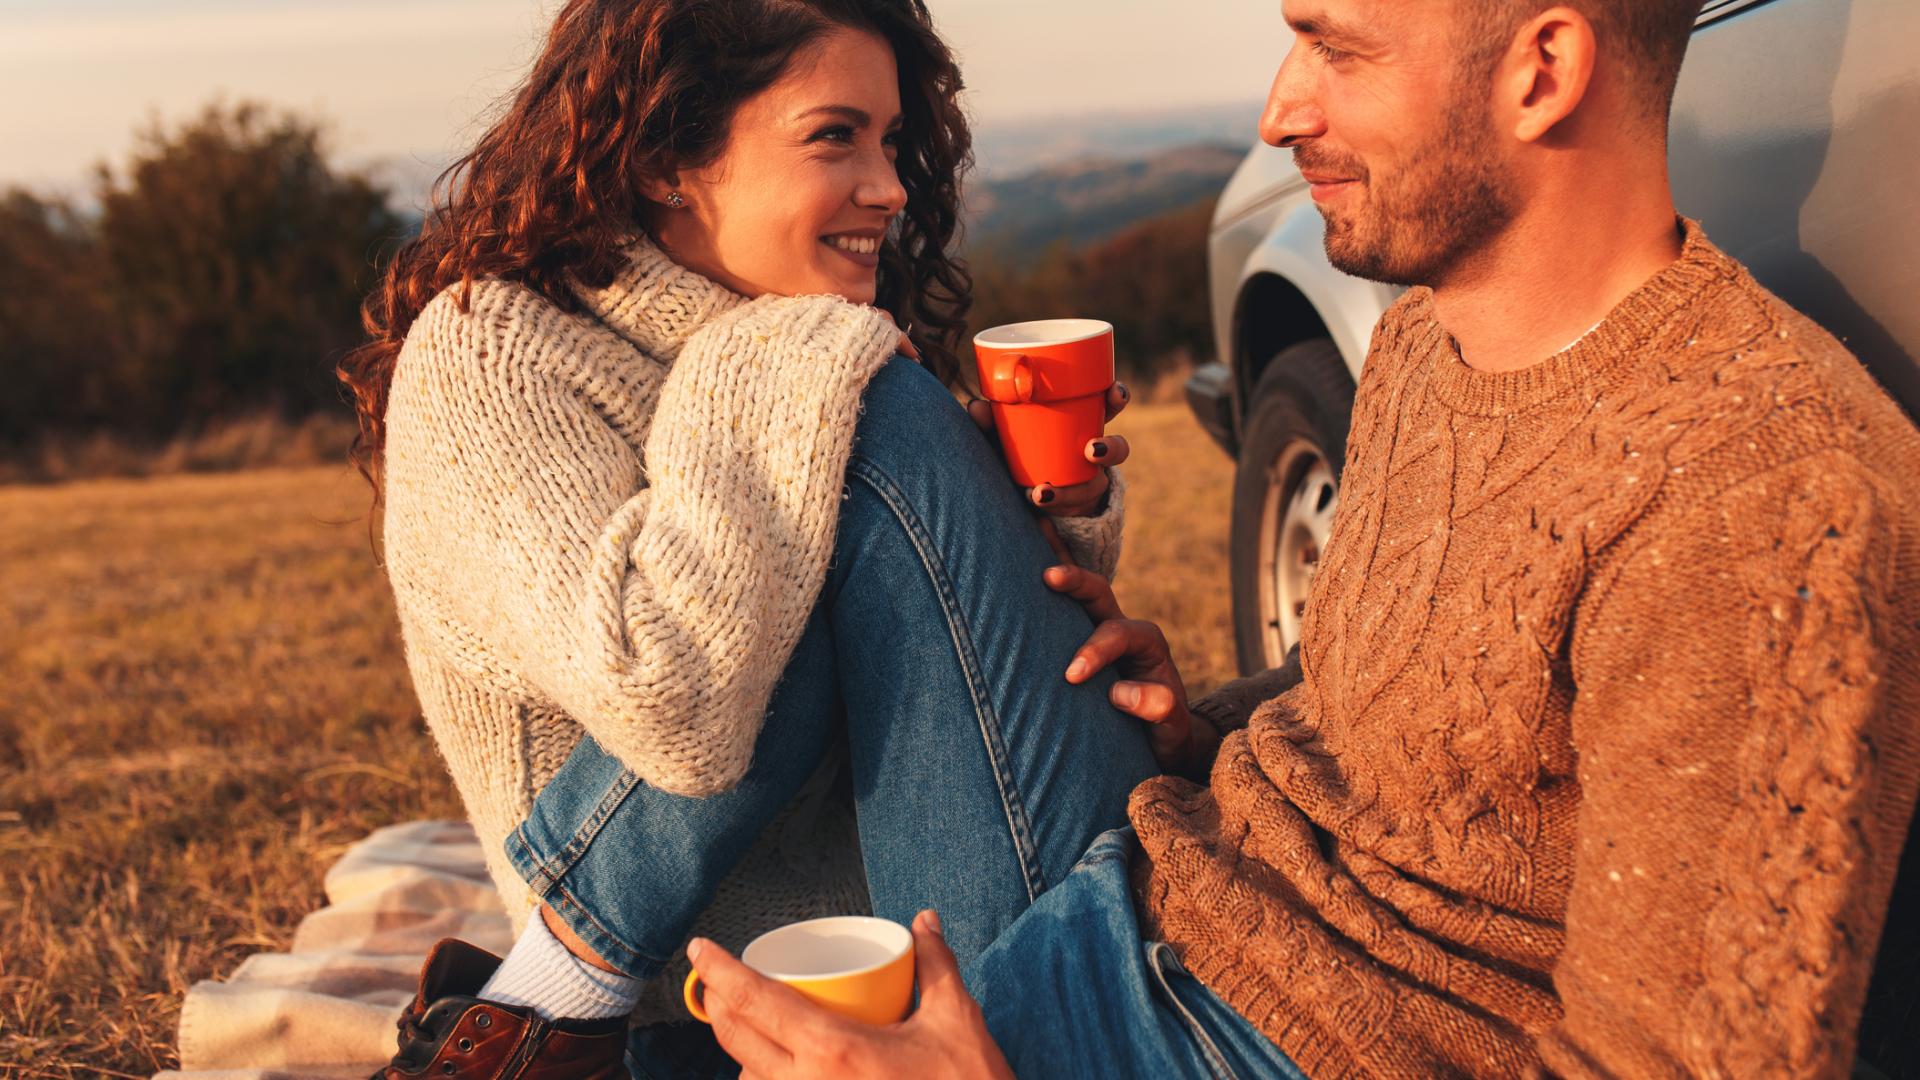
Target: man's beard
x=1445 y=200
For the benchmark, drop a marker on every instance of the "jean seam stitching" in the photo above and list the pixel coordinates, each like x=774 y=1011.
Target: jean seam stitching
x=1215 y=1059
x=1019 y=828
x=562 y=862
x=584 y=836
x=1089 y=861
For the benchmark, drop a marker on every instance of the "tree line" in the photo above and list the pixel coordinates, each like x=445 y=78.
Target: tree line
x=1149 y=280
x=219 y=274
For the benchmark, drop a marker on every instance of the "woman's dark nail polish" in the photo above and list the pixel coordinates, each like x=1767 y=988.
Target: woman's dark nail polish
x=1099 y=450
x=1124 y=392
x=1044 y=496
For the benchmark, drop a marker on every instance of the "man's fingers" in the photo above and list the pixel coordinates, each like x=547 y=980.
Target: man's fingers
x=1152 y=702
x=1108 y=450
x=938 y=971
x=1092 y=590
x=757 y=1054
x=749 y=1010
x=1117 y=397
x=981 y=414
x=1109 y=641
x=732 y=986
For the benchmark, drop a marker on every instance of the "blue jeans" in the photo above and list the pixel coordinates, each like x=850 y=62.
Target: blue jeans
x=980 y=776
x=1071 y=989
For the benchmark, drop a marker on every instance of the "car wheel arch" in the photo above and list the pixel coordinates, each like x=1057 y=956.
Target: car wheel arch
x=1271 y=314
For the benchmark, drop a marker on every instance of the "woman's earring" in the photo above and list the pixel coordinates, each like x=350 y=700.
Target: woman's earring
x=676 y=200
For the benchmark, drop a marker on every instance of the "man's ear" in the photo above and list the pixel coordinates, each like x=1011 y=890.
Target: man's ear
x=1546 y=73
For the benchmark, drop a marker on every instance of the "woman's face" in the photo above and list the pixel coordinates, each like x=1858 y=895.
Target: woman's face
x=801 y=198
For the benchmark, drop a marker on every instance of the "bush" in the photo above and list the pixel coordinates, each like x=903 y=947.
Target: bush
x=56 y=325
x=238 y=259
x=222 y=275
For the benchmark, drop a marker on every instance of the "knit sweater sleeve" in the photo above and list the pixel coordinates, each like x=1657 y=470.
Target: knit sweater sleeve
x=654 y=597
x=1094 y=542
x=1746 y=771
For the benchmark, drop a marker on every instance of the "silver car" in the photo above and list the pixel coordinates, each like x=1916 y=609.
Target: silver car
x=1795 y=141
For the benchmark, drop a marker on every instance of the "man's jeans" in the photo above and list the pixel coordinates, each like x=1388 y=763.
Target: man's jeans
x=1071 y=989
x=980 y=775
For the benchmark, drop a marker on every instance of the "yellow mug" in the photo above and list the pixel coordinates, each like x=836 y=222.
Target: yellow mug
x=856 y=965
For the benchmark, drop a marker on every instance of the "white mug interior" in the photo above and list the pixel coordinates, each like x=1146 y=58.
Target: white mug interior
x=827 y=948
x=1032 y=335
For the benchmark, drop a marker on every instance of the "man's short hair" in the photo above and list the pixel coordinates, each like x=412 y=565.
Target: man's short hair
x=1648 y=37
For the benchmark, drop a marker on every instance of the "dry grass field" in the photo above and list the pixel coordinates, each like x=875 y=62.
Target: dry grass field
x=206 y=704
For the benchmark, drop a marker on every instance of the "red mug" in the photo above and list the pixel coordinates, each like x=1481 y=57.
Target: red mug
x=1047 y=382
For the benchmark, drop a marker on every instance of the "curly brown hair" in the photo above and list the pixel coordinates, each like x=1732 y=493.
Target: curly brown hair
x=625 y=90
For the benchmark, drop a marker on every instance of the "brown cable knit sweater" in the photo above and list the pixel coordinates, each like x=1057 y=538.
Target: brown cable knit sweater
x=1608 y=731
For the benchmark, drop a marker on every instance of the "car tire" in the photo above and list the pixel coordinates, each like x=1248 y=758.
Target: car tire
x=1285 y=488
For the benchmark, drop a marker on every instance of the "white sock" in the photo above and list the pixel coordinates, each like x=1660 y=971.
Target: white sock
x=557 y=985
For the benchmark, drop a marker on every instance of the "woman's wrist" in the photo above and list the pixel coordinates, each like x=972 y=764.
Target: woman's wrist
x=1106 y=498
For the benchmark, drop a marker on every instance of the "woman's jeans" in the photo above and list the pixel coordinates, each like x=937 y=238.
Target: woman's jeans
x=980 y=775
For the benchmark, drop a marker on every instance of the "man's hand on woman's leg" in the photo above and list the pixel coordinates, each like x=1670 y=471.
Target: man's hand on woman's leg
x=774 y=1032
x=1150 y=686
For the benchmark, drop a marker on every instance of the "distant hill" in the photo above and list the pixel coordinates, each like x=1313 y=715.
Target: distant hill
x=1086 y=201
x=1006 y=148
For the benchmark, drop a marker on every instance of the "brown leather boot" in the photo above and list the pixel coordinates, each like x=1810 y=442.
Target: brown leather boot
x=446 y=1031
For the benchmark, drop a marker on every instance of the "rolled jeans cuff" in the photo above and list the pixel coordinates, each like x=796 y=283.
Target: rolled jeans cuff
x=555 y=836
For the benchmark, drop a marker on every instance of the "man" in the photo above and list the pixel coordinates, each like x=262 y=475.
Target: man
x=1603 y=743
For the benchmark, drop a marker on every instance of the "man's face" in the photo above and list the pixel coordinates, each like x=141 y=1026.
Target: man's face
x=1391 y=122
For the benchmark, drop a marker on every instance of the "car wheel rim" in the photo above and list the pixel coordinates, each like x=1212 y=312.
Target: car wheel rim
x=1294 y=525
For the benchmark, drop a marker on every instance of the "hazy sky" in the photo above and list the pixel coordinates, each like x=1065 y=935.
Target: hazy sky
x=407 y=80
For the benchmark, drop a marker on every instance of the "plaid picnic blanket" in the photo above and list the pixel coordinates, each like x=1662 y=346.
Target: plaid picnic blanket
x=326 y=1008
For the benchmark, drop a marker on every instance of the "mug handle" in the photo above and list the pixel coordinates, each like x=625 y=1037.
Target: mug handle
x=1012 y=377
x=693 y=993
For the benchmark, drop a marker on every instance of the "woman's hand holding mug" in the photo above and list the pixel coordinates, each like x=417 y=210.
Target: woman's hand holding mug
x=1088 y=499
x=1048 y=391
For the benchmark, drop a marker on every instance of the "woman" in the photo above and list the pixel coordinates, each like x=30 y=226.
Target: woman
x=689 y=562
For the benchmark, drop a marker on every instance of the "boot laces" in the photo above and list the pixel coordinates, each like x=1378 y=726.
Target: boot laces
x=412 y=1033
x=411 y=1029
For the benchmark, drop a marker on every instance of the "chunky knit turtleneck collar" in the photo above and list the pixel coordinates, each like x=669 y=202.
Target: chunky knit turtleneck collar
x=1632 y=323
x=655 y=302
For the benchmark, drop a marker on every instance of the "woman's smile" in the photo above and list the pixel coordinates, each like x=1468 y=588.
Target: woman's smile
x=861 y=247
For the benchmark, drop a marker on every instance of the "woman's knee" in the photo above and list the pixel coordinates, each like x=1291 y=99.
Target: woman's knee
x=923 y=472
x=911 y=423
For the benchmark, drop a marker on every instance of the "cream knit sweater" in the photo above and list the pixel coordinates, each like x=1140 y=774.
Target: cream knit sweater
x=617 y=522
